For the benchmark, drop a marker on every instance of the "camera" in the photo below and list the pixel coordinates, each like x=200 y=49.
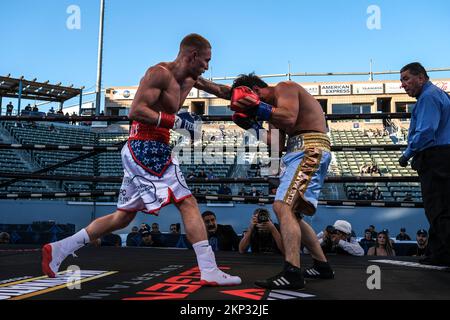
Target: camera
x=263 y=215
x=331 y=230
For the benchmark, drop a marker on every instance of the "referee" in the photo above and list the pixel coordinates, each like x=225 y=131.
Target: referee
x=429 y=148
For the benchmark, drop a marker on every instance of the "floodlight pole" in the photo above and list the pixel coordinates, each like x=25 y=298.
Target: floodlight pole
x=371 y=71
x=98 y=89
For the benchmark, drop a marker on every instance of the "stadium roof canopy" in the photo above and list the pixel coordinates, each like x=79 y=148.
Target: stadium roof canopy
x=30 y=89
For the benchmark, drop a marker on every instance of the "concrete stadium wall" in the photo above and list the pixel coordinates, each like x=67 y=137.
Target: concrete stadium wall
x=238 y=215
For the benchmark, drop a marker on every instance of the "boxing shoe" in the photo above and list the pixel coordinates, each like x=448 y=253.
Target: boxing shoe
x=216 y=277
x=290 y=278
x=52 y=257
x=319 y=270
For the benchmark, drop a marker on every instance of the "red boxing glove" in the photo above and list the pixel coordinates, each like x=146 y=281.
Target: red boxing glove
x=244 y=100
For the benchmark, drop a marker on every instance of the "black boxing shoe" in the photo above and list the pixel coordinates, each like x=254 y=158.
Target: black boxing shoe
x=290 y=278
x=319 y=270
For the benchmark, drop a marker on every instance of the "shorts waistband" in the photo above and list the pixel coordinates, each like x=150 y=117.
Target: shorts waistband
x=142 y=131
x=305 y=141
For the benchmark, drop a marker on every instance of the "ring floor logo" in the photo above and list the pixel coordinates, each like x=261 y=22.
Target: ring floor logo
x=185 y=284
x=27 y=288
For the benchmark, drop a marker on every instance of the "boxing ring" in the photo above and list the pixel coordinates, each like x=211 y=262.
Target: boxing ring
x=127 y=273
x=155 y=274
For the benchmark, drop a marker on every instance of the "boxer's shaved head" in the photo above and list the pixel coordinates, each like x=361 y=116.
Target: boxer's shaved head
x=194 y=41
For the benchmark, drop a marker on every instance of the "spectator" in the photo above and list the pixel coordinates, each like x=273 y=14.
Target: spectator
x=376 y=194
x=144 y=227
x=35 y=108
x=202 y=174
x=111 y=240
x=273 y=191
x=403 y=236
x=191 y=175
x=147 y=240
x=382 y=247
x=211 y=175
x=175 y=228
x=326 y=233
x=221 y=237
x=224 y=189
x=254 y=192
x=74 y=115
x=4 y=238
x=28 y=108
x=375 y=169
x=52 y=128
x=9 y=109
x=60 y=112
x=364 y=195
x=364 y=169
x=242 y=192
x=422 y=242
x=262 y=236
x=386 y=231
x=155 y=228
x=408 y=197
x=353 y=195
x=374 y=232
x=367 y=242
x=339 y=240
x=134 y=238
x=51 y=111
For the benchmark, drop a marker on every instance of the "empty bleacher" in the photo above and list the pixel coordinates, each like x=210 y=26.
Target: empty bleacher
x=352 y=163
x=214 y=158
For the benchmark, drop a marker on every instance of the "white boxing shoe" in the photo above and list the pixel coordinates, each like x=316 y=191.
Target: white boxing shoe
x=52 y=257
x=216 y=277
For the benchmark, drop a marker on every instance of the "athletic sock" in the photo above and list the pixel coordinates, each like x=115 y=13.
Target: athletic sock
x=205 y=256
x=74 y=242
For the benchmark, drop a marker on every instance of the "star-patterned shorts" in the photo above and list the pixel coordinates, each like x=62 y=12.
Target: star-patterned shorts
x=144 y=191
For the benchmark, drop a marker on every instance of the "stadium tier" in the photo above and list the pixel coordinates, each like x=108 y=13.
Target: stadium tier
x=217 y=160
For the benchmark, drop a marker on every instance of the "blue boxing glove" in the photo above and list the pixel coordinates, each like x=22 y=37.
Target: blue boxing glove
x=248 y=123
x=188 y=121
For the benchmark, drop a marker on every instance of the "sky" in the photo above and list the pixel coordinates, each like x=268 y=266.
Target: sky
x=48 y=40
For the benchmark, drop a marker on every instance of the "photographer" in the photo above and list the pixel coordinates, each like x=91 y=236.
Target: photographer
x=263 y=236
x=338 y=240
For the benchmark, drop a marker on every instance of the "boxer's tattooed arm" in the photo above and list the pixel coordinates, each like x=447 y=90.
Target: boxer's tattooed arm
x=219 y=90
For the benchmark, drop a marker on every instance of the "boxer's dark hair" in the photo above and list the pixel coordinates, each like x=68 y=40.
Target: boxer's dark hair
x=208 y=213
x=196 y=41
x=415 y=68
x=248 y=80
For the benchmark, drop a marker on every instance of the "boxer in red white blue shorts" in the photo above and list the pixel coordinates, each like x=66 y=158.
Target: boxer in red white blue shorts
x=152 y=178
